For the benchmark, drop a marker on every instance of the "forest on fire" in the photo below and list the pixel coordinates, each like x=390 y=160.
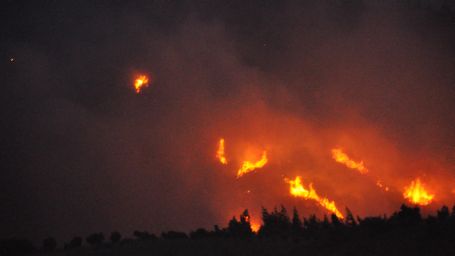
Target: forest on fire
x=405 y=232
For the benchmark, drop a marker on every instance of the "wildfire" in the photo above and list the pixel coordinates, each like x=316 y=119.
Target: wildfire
x=343 y=158
x=417 y=194
x=248 y=166
x=140 y=82
x=298 y=190
x=255 y=226
x=220 y=152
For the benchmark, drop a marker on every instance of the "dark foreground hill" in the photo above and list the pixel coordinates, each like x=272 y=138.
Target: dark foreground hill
x=365 y=246
x=403 y=233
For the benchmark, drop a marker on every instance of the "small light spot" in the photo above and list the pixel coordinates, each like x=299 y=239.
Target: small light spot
x=12 y=59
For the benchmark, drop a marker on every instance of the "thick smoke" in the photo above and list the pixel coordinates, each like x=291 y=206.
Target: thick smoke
x=82 y=152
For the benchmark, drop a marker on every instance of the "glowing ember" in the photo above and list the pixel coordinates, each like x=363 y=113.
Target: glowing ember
x=298 y=190
x=381 y=185
x=220 y=152
x=141 y=82
x=248 y=166
x=417 y=194
x=343 y=158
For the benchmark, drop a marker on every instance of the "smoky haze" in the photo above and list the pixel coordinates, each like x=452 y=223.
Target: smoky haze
x=82 y=152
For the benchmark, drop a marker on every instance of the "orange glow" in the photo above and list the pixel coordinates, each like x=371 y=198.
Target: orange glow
x=343 y=158
x=220 y=152
x=417 y=194
x=255 y=226
x=298 y=190
x=248 y=166
x=140 y=82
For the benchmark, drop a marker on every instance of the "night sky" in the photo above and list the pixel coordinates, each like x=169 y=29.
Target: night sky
x=82 y=152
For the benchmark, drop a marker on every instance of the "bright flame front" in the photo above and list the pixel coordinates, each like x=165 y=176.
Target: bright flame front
x=298 y=190
x=248 y=166
x=220 y=152
x=140 y=82
x=343 y=158
x=417 y=194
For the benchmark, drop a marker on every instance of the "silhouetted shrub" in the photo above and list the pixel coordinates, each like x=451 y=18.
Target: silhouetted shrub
x=173 y=235
x=240 y=228
x=443 y=214
x=297 y=225
x=115 y=237
x=276 y=223
x=95 y=239
x=373 y=225
x=49 y=244
x=407 y=216
x=350 y=220
x=76 y=242
x=144 y=235
x=16 y=247
x=200 y=233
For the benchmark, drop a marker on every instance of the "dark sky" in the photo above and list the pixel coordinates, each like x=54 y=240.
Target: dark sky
x=82 y=152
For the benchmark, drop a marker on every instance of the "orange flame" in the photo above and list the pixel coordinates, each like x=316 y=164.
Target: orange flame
x=343 y=158
x=255 y=226
x=248 y=166
x=417 y=194
x=220 y=152
x=298 y=190
x=140 y=82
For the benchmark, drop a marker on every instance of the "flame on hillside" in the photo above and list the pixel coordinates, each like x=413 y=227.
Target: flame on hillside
x=341 y=157
x=297 y=189
x=416 y=193
x=220 y=152
x=249 y=166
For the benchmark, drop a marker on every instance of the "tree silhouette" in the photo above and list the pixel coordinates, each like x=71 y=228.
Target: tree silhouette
x=200 y=233
x=407 y=216
x=49 y=244
x=144 y=235
x=350 y=220
x=115 y=237
x=76 y=242
x=241 y=228
x=297 y=225
x=95 y=239
x=443 y=214
x=276 y=223
x=16 y=246
x=172 y=235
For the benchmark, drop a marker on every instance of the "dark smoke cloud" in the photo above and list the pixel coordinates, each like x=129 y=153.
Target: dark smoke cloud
x=81 y=152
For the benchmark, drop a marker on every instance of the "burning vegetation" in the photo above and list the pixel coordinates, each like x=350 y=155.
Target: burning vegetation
x=248 y=166
x=339 y=156
x=297 y=189
x=416 y=193
x=141 y=82
x=220 y=152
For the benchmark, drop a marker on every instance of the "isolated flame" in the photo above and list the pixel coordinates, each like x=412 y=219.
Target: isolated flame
x=220 y=152
x=298 y=190
x=248 y=166
x=343 y=158
x=140 y=82
x=255 y=226
x=417 y=194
